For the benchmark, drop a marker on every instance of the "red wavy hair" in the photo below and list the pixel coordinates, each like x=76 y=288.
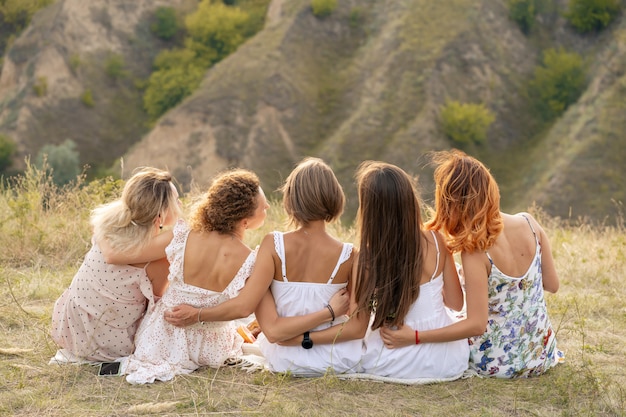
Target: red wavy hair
x=467 y=202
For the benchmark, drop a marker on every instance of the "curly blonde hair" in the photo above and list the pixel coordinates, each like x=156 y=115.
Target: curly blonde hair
x=231 y=198
x=467 y=202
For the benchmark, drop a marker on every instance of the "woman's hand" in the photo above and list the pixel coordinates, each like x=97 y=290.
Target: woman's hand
x=396 y=338
x=340 y=302
x=182 y=315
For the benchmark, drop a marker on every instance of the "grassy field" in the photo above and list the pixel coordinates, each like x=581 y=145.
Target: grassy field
x=44 y=234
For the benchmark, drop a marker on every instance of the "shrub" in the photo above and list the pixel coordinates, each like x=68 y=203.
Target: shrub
x=168 y=87
x=323 y=8
x=87 y=98
x=41 y=86
x=114 y=66
x=7 y=151
x=466 y=122
x=166 y=24
x=557 y=82
x=590 y=15
x=523 y=13
x=215 y=31
x=60 y=161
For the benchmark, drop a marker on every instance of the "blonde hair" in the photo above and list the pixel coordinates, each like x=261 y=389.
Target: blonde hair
x=311 y=192
x=467 y=202
x=128 y=223
x=231 y=197
x=391 y=252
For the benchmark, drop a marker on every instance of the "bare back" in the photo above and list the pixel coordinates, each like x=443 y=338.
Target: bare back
x=516 y=246
x=212 y=260
x=312 y=258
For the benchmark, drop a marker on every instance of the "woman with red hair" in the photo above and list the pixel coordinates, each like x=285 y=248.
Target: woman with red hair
x=507 y=265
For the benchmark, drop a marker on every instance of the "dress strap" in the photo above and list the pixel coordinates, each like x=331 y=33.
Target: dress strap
x=537 y=244
x=346 y=252
x=438 y=254
x=279 y=246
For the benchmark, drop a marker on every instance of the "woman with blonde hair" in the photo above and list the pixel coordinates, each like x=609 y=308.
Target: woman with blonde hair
x=507 y=265
x=95 y=319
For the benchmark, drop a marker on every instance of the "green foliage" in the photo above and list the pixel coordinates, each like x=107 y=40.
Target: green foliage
x=166 y=25
x=7 y=151
x=215 y=30
x=60 y=161
x=114 y=66
x=466 y=122
x=17 y=13
x=168 y=86
x=323 y=8
x=557 y=82
x=74 y=62
x=87 y=98
x=41 y=86
x=592 y=15
x=523 y=13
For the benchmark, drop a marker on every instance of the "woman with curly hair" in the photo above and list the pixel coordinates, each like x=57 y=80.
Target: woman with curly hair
x=209 y=264
x=507 y=265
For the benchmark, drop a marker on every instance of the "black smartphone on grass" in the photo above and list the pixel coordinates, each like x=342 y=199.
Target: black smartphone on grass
x=109 y=369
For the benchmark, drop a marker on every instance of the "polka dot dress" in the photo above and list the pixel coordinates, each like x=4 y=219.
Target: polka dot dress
x=97 y=316
x=164 y=350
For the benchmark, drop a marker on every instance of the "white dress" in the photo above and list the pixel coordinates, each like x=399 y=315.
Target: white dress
x=428 y=361
x=164 y=350
x=299 y=298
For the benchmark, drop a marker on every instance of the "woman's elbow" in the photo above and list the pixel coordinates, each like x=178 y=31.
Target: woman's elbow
x=477 y=328
x=551 y=287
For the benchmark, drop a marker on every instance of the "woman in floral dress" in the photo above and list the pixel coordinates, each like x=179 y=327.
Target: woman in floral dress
x=507 y=265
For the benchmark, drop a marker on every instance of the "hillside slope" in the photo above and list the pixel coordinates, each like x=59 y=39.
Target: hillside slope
x=366 y=82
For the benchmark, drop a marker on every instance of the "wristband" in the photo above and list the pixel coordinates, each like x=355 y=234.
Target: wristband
x=417 y=338
x=332 y=312
x=200 y=311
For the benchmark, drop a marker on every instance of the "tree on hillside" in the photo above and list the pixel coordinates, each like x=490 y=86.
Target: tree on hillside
x=590 y=15
x=62 y=161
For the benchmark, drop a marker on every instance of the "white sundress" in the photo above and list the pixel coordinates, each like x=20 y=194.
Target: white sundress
x=424 y=362
x=299 y=298
x=164 y=350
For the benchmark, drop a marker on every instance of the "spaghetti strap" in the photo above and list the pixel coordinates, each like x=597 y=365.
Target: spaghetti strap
x=438 y=254
x=279 y=247
x=346 y=251
x=531 y=228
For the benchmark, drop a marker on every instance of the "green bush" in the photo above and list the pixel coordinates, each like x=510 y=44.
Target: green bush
x=87 y=98
x=168 y=87
x=41 y=86
x=323 y=8
x=61 y=161
x=7 y=151
x=523 y=13
x=591 y=15
x=114 y=66
x=557 y=82
x=215 y=31
x=466 y=123
x=166 y=25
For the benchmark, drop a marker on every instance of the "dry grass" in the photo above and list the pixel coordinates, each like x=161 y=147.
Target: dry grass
x=43 y=246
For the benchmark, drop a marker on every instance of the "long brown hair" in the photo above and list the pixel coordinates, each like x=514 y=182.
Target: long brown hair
x=391 y=253
x=467 y=202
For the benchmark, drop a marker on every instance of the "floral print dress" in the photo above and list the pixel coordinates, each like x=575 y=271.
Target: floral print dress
x=519 y=341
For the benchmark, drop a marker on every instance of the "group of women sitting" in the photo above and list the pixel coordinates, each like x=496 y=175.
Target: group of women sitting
x=397 y=306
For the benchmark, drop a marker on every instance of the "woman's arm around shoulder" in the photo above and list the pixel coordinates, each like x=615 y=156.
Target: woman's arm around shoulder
x=476 y=269
x=155 y=249
x=452 y=291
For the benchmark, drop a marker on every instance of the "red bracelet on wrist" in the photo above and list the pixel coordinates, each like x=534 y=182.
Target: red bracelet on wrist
x=417 y=338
